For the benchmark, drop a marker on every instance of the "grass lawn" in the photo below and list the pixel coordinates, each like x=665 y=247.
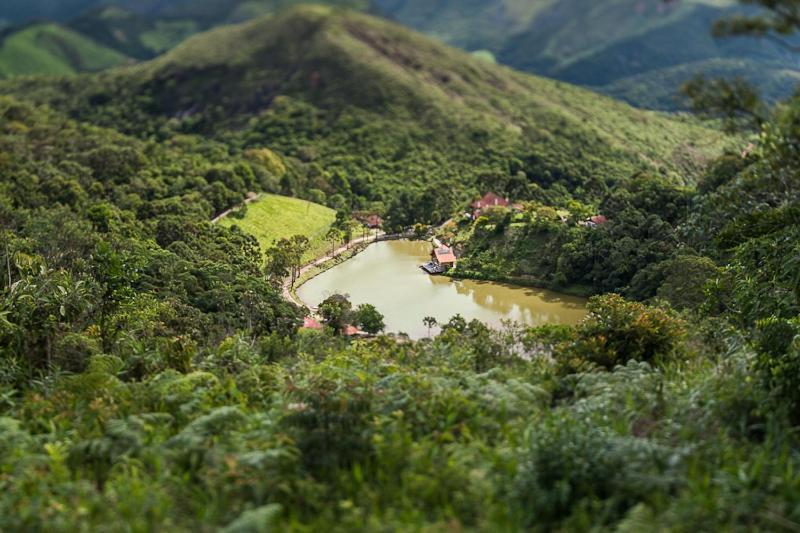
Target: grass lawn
x=276 y=217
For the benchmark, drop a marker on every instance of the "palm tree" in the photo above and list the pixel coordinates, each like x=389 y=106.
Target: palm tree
x=333 y=237
x=430 y=322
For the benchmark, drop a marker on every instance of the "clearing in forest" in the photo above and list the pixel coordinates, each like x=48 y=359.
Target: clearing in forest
x=273 y=217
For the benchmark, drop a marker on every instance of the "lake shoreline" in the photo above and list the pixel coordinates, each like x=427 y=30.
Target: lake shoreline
x=520 y=281
x=390 y=278
x=317 y=269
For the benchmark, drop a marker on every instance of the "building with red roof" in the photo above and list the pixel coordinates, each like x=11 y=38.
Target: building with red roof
x=352 y=331
x=490 y=199
x=371 y=220
x=445 y=257
x=493 y=200
x=310 y=323
x=595 y=221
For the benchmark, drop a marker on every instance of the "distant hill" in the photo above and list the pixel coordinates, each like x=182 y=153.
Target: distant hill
x=368 y=106
x=54 y=50
x=23 y=11
x=131 y=33
x=204 y=12
x=625 y=48
x=621 y=47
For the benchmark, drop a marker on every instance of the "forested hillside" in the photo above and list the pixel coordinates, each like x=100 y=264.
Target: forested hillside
x=641 y=51
x=54 y=50
x=625 y=48
x=153 y=378
x=315 y=84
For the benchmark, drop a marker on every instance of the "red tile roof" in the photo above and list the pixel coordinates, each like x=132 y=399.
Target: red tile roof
x=489 y=200
x=310 y=323
x=599 y=220
x=445 y=255
x=352 y=331
x=372 y=220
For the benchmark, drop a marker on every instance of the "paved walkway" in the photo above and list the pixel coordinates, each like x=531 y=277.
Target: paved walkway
x=287 y=284
x=251 y=197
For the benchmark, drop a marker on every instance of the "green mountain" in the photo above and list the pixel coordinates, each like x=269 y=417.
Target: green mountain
x=153 y=378
x=144 y=30
x=52 y=49
x=22 y=11
x=208 y=11
x=624 y=48
x=131 y=33
x=621 y=47
x=365 y=106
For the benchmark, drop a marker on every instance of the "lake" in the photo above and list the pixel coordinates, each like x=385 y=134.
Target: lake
x=387 y=275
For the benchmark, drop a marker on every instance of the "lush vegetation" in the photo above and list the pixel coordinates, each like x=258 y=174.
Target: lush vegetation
x=624 y=48
x=272 y=218
x=152 y=377
x=551 y=241
x=375 y=117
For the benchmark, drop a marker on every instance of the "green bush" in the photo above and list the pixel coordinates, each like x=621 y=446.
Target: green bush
x=571 y=467
x=778 y=344
x=617 y=331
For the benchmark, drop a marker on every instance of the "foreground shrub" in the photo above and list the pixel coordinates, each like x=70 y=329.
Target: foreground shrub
x=617 y=331
x=779 y=361
x=572 y=467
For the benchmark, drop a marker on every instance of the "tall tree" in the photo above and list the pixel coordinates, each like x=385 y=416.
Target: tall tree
x=336 y=311
x=369 y=319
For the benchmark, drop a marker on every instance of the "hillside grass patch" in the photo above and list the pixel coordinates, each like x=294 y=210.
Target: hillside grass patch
x=274 y=217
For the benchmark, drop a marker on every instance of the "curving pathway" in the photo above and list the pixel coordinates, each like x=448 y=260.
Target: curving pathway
x=287 y=284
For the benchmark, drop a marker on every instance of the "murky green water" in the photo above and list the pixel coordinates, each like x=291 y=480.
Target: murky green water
x=387 y=275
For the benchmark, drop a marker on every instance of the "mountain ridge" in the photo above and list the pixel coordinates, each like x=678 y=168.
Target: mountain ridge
x=604 y=46
x=366 y=106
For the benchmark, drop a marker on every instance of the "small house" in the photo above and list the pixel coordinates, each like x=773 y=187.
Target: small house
x=489 y=200
x=445 y=257
x=595 y=221
x=310 y=323
x=352 y=331
x=371 y=220
x=374 y=221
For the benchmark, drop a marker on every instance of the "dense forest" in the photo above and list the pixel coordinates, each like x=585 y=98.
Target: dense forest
x=363 y=109
x=153 y=377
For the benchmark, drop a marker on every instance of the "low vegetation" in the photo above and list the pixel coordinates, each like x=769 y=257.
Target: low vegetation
x=272 y=218
x=153 y=378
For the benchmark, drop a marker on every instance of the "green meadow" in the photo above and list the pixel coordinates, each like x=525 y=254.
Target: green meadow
x=274 y=217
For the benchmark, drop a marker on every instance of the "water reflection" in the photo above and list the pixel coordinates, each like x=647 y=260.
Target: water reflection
x=388 y=276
